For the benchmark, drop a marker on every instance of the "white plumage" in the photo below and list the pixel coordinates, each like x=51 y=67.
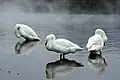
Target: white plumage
x=61 y=45
x=97 y=41
x=26 y=32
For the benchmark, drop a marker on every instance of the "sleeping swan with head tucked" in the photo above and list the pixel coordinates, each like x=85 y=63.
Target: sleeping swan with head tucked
x=26 y=32
x=97 y=41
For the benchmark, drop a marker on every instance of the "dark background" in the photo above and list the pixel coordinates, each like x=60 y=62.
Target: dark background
x=58 y=6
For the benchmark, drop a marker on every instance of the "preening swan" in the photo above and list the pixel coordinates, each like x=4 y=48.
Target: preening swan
x=26 y=32
x=61 y=45
x=97 y=41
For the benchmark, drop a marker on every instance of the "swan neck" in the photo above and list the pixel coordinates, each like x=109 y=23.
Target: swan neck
x=17 y=33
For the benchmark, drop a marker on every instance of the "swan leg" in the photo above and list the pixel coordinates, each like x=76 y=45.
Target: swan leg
x=60 y=56
x=63 y=56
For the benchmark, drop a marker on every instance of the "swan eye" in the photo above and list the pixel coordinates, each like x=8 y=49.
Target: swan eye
x=18 y=28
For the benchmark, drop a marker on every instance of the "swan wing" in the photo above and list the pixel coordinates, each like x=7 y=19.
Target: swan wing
x=65 y=43
x=64 y=46
x=28 y=32
x=94 y=40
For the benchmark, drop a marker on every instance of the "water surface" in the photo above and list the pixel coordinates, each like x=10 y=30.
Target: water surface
x=30 y=60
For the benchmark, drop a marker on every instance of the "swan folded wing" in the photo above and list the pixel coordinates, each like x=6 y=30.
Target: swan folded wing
x=28 y=33
x=65 y=46
x=65 y=43
x=94 y=41
x=60 y=49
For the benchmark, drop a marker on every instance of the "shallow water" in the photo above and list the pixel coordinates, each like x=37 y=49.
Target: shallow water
x=30 y=60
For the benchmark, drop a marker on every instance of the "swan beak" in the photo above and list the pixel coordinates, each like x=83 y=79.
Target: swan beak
x=104 y=43
x=46 y=42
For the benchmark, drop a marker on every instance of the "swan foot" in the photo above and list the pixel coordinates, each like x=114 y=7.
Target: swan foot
x=62 y=56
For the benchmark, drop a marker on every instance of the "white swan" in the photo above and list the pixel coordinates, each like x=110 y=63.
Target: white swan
x=61 y=45
x=97 y=41
x=26 y=32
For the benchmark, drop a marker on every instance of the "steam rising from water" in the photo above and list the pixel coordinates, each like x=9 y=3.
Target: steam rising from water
x=61 y=6
x=43 y=6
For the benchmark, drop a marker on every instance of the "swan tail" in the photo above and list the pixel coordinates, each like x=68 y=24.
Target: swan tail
x=79 y=49
x=37 y=39
x=31 y=38
x=75 y=49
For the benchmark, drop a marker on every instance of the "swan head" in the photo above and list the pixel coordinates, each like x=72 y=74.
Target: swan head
x=50 y=37
x=17 y=28
x=102 y=33
x=17 y=25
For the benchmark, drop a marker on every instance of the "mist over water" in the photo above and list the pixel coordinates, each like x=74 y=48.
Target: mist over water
x=75 y=20
x=42 y=6
x=61 y=6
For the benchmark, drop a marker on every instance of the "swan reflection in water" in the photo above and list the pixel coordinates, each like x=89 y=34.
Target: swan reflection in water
x=25 y=47
x=62 y=66
x=97 y=62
